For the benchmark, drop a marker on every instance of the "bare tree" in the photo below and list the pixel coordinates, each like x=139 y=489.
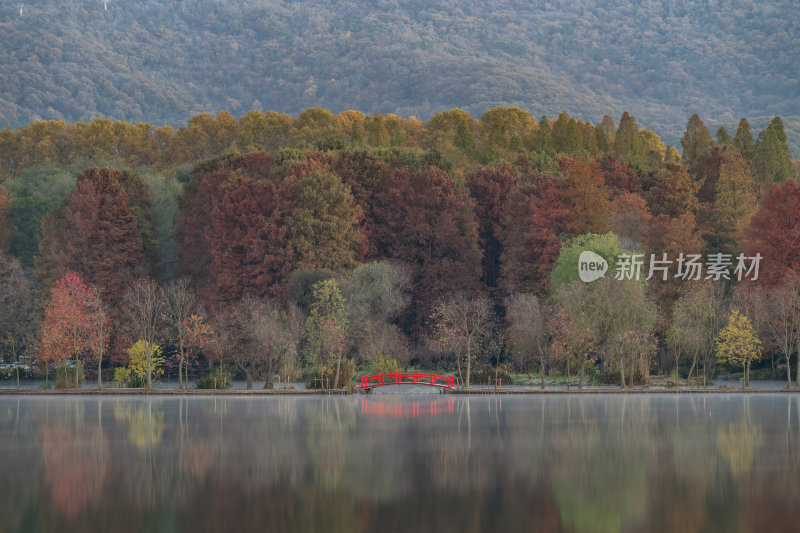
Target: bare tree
x=527 y=328
x=144 y=311
x=181 y=303
x=457 y=320
x=256 y=335
x=775 y=313
x=18 y=322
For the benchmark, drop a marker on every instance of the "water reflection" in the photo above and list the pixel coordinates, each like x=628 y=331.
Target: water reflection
x=592 y=463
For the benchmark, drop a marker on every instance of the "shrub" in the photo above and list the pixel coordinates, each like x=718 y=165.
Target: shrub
x=65 y=376
x=217 y=378
x=384 y=364
x=317 y=377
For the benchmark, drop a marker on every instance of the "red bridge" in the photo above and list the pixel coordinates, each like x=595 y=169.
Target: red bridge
x=406 y=378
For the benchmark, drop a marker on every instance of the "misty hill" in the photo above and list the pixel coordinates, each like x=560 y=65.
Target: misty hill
x=163 y=62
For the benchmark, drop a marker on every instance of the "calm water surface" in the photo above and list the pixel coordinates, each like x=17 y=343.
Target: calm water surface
x=427 y=462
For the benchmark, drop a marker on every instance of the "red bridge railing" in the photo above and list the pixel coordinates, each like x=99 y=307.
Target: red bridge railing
x=406 y=378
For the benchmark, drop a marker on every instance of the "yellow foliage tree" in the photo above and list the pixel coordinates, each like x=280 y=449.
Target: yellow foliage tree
x=138 y=363
x=738 y=343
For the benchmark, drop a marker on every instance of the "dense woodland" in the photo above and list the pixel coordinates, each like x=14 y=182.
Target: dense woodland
x=162 y=62
x=325 y=245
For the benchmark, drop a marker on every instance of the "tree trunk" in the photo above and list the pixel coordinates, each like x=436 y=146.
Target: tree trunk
x=249 y=379
x=180 y=366
x=568 y=375
x=744 y=377
x=542 y=364
x=458 y=363
x=46 y=374
x=694 y=364
x=17 y=367
x=580 y=376
x=797 y=370
x=269 y=384
x=622 y=372
x=469 y=360
x=788 y=370
x=677 y=373
x=77 y=366
x=338 y=365
x=100 y=369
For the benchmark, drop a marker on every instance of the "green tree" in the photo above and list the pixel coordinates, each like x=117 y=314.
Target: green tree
x=324 y=223
x=696 y=140
x=738 y=344
x=326 y=329
x=723 y=137
x=744 y=139
x=625 y=138
x=772 y=158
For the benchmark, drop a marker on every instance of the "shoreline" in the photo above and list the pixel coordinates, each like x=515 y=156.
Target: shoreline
x=343 y=392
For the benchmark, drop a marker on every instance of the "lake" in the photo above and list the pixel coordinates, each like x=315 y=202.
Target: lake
x=398 y=462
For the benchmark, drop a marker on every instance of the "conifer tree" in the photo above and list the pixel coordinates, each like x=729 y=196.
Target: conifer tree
x=744 y=139
x=696 y=140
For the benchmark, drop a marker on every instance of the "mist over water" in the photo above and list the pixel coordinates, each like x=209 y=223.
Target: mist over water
x=422 y=462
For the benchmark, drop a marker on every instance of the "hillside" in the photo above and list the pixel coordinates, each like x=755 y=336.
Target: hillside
x=162 y=62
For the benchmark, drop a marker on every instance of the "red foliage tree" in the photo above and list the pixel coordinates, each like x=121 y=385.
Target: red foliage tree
x=249 y=241
x=617 y=174
x=489 y=188
x=774 y=232
x=74 y=322
x=585 y=195
x=534 y=216
x=426 y=221
x=207 y=184
x=630 y=220
x=96 y=234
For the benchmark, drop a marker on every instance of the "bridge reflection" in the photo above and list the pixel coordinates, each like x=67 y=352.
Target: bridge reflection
x=404 y=410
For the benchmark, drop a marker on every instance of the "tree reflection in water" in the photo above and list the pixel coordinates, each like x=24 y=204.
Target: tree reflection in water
x=589 y=463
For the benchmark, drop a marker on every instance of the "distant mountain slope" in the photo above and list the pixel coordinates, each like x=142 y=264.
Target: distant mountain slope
x=162 y=62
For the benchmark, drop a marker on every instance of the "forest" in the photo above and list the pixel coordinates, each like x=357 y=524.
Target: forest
x=321 y=246
x=163 y=62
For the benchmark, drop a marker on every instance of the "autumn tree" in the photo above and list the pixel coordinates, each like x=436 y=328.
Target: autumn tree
x=630 y=221
x=249 y=240
x=527 y=331
x=425 y=220
x=585 y=195
x=456 y=322
x=207 y=184
x=144 y=315
x=533 y=220
x=738 y=344
x=71 y=326
x=489 y=187
x=671 y=191
x=696 y=140
x=95 y=234
x=18 y=319
x=774 y=232
x=324 y=223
